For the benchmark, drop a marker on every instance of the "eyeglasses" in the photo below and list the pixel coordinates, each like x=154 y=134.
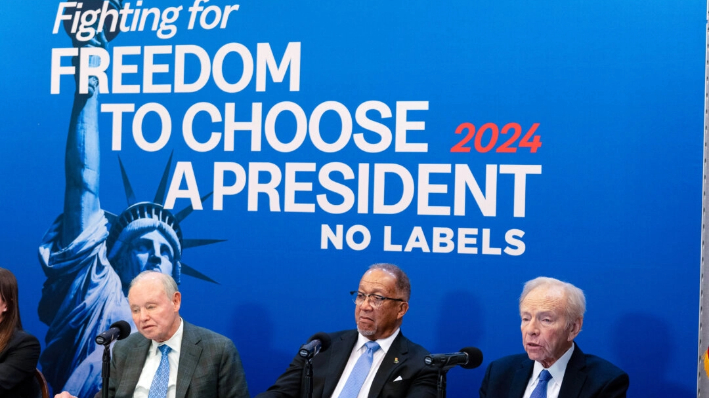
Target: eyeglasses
x=376 y=300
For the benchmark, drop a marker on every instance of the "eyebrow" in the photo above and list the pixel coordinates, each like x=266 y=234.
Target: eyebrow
x=540 y=313
x=375 y=291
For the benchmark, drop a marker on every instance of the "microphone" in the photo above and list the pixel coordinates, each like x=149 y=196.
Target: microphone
x=467 y=358
x=118 y=331
x=317 y=343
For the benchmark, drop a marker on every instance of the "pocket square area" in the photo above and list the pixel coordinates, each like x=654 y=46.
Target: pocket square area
x=398 y=379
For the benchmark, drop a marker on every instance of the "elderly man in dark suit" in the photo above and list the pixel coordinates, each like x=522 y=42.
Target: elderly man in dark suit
x=376 y=360
x=554 y=366
x=170 y=357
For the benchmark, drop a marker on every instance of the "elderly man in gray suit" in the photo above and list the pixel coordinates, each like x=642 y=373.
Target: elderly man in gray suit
x=171 y=358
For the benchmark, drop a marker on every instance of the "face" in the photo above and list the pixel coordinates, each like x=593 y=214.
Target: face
x=378 y=323
x=148 y=252
x=3 y=308
x=155 y=315
x=545 y=334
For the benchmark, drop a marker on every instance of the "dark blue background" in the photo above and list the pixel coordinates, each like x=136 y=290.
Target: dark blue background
x=617 y=88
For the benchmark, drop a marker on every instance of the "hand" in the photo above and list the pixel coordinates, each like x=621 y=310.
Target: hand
x=64 y=394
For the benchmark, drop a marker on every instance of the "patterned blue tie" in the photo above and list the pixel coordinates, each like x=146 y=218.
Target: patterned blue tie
x=359 y=372
x=541 y=390
x=159 y=387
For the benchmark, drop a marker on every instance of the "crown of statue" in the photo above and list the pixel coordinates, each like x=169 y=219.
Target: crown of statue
x=138 y=219
x=142 y=217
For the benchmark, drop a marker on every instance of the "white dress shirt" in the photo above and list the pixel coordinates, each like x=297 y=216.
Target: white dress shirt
x=557 y=370
x=357 y=351
x=153 y=361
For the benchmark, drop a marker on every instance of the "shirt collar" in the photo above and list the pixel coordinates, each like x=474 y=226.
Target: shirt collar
x=558 y=369
x=384 y=343
x=173 y=342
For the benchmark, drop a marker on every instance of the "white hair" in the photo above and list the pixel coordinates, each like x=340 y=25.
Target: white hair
x=575 y=307
x=168 y=283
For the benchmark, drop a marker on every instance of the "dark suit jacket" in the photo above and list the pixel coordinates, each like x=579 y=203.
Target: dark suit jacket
x=404 y=359
x=586 y=376
x=209 y=366
x=17 y=364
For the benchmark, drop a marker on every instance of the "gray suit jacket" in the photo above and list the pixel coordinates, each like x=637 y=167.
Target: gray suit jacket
x=209 y=366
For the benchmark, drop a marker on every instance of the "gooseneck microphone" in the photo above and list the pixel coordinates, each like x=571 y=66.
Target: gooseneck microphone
x=319 y=342
x=467 y=358
x=118 y=331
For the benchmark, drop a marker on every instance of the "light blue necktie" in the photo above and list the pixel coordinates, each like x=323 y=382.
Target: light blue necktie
x=541 y=390
x=159 y=387
x=359 y=372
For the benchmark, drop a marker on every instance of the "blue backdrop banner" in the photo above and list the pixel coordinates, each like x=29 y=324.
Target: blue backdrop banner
x=282 y=147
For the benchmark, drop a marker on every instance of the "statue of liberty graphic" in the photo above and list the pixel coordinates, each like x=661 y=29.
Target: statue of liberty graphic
x=89 y=255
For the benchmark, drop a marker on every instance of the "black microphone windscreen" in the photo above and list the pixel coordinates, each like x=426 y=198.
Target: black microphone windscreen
x=324 y=338
x=475 y=357
x=124 y=329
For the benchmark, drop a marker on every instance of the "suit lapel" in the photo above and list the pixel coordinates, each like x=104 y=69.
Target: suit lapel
x=399 y=350
x=521 y=379
x=16 y=336
x=574 y=377
x=189 y=358
x=133 y=369
x=339 y=354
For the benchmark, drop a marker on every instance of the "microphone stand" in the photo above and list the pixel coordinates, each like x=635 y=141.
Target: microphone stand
x=442 y=382
x=106 y=370
x=444 y=365
x=306 y=390
x=443 y=369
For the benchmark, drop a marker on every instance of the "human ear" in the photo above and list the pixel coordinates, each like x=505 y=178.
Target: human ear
x=404 y=307
x=575 y=329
